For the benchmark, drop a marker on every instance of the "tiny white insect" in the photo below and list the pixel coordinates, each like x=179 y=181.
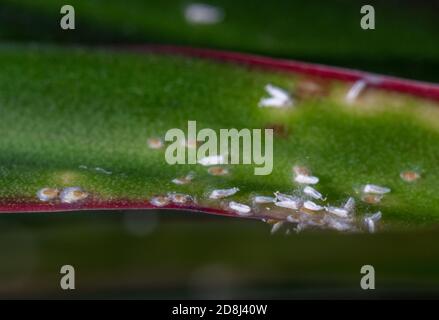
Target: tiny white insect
x=340 y=212
x=312 y=206
x=302 y=179
x=284 y=197
x=212 y=160
x=263 y=199
x=350 y=205
x=287 y=201
x=72 y=195
x=279 y=98
x=184 y=180
x=241 y=209
x=338 y=225
x=222 y=193
x=310 y=191
x=356 y=89
x=277 y=226
x=295 y=205
x=159 y=201
x=200 y=13
x=47 y=194
x=375 y=189
x=277 y=92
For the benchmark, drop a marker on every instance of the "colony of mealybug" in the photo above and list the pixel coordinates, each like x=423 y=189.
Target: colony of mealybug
x=67 y=195
x=155 y=143
x=223 y=193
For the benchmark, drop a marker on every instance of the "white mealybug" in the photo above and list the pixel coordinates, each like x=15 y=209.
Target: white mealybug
x=159 y=201
x=184 y=180
x=180 y=198
x=375 y=189
x=200 y=13
x=340 y=212
x=350 y=205
x=287 y=201
x=241 y=209
x=370 y=221
x=155 y=143
x=72 y=195
x=284 y=197
x=310 y=191
x=337 y=224
x=279 y=98
x=212 y=160
x=262 y=199
x=276 y=227
x=47 y=194
x=222 y=193
x=312 y=206
x=356 y=89
x=302 y=179
x=295 y=205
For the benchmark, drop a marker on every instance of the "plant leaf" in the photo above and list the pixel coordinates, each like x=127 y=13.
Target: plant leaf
x=78 y=118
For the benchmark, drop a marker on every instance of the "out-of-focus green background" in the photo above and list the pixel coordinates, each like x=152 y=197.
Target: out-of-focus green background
x=175 y=255
x=404 y=42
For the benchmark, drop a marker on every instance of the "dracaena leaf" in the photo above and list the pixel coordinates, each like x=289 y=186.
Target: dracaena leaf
x=90 y=127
